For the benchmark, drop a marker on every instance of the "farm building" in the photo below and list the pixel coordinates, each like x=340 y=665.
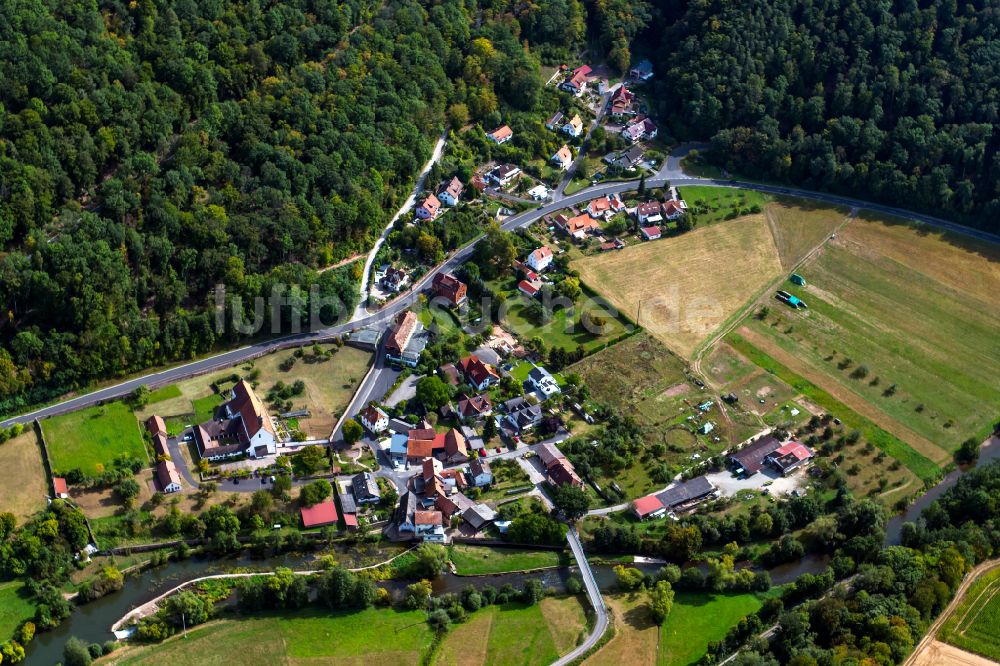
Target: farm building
x=649 y=506
x=790 y=457
x=687 y=494
x=750 y=459
x=318 y=515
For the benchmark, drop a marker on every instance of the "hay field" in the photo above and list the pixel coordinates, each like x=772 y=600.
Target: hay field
x=892 y=305
x=686 y=286
x=25 y=487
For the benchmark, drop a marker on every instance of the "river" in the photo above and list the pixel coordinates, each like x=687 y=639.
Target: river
x=92 y=622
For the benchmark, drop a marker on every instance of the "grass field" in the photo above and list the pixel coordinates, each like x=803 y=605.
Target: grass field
x=973 y=625
x=563 y=330
x=164 y=393
x=475 y=560
x=372 y=638
x=891 y=304
x=698 y=619
x=716 y=204
x=14 y=607
x=90 y=438
x=515 y=635
x=695 y=621
x=330 y=384
x=21 y=459
x=684 y=287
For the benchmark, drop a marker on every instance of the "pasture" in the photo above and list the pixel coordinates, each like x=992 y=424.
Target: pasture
x=901 y=326
x=476 y=560
x=973 y=624
x=709 y=205
x=514 y=634
x=21 y=459
x=90 y=439
x=15 y=607
x=371 y=637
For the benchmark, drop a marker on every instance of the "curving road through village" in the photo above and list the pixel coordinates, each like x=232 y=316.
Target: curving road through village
x=670 y=172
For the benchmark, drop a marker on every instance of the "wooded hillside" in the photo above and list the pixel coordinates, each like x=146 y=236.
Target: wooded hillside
x=892 y=101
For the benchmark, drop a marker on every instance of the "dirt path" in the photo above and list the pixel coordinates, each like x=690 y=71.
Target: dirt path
x=343 y=262
x=929 y=650
x=853 y=401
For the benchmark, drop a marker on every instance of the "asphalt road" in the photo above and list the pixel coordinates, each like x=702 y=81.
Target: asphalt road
x=596 y=600
x=670 y=172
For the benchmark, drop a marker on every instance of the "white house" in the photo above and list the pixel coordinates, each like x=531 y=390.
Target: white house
x=479 y=473
x=650 y=233
x=674 y=208
x=563 y=158
x=166 y=474
x=429 y=208
x=374 y=419
x=257 y=433
x=543 y=382
x=649 y=213
x=504 y=174
x=501 y=135
x=451 y=193
x=574 y=127
x=429 y=526
x=540 y=259
x=538 y=192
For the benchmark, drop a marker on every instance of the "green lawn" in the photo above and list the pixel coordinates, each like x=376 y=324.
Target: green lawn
x=708 y=205
x=370 y=637
x=164 y=393
x=14 y=607
x=698 y=619
x=892 y=445
x=520 y=635
x=477 y=560
x=91 y=437
x=973 y=625
x=204 y=408
x=562 y=330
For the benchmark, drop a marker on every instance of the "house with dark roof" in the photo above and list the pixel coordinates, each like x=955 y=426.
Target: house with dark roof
x=543 y=382
x=750 y=459
x=629 y=159
x=394 y=279
x=405 y=512
x=450 y=288
x=365 y=488
x=504 y=174
x=521 y=415
x=478 y=516
x=687 y=494
x=555 y=121
x=480 y=473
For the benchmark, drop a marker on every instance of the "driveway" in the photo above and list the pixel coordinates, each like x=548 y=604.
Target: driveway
x=174 y=445
x=729 y=485
x=405 y=391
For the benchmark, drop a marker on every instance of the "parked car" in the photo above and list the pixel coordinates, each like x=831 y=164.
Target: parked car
x=482 y=453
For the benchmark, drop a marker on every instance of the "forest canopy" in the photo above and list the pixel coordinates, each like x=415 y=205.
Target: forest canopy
x=891 y=101
x=150 y=150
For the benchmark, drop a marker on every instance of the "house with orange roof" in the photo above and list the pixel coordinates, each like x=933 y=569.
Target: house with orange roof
x=562 y=158
x=429 y=208
x=540 y=259
x=501 y=135
x=480 y=375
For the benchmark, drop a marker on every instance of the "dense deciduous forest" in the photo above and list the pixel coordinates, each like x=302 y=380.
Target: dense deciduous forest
x=152 y=149
x=889 y=100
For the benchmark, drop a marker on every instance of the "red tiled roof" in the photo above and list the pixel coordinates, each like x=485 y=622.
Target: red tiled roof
x=324 y=513
x=541 y=253
x=527 y=287
x=800 y=451
x=350 y=519
x=166 y=473
x=454 y=188
x=562 y=473
x=672 y=206
x=59 y=484
x=251 y=410
x=647 y=505
x=455 y=443
x=475 y=370
x=155 y=424
x=449 y=286
x=650 y=232
x=475 y=405
x=427 y=518
x=372 y=413
x=405 y=323
x=446 y=506
x=431 y=204
x=501 y=133
x=580 y=223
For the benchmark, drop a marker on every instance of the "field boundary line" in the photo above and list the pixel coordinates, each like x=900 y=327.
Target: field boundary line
x=932 y=631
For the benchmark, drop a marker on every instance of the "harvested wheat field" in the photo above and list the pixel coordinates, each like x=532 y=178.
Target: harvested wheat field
x=21 y=459
x=688 y=285
x=936 y=653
